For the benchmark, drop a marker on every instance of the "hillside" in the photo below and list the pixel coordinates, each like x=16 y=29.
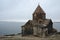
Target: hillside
x=19 y=37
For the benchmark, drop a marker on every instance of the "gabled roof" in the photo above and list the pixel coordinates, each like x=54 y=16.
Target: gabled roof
x=39 y=10
x=42 y=24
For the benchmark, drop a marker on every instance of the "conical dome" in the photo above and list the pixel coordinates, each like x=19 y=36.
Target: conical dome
x=39 y=13
x=39 y=10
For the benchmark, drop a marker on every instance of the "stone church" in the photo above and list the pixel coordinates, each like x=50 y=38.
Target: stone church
x=39 y=25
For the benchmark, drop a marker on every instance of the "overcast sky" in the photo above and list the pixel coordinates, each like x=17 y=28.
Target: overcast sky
x=23 y=9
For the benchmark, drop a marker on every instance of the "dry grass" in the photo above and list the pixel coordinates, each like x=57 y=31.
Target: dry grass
x=19 y=37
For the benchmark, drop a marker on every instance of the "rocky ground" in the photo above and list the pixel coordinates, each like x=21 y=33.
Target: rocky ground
x=19 y=37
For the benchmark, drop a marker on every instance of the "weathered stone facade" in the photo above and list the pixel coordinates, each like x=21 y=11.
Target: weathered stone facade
x=39 y=25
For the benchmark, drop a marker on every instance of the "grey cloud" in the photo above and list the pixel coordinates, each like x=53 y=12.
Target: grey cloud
x=23 y=9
